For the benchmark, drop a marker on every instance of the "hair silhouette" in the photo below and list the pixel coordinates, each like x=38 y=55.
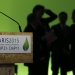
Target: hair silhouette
x=37 y=7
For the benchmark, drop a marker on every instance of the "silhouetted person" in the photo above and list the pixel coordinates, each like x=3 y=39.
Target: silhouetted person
x=43 y=29
x=72 y=42
x=37 y=52
x=30 y=68
x=60 y=46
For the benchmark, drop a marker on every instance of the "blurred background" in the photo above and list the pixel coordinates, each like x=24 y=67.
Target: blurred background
x=19 y=9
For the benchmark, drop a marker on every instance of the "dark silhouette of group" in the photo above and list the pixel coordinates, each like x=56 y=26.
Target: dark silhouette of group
x=62 y=56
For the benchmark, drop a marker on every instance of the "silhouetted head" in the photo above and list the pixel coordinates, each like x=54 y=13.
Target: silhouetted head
x=32 y=19
x=63 y=17
x=73 y=15
x=38 y=10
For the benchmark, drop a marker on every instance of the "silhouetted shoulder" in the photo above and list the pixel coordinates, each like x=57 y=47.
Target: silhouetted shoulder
x=29 y=28
x=73 y=26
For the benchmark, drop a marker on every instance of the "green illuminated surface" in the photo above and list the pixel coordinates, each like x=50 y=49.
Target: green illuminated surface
x=19 y=9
